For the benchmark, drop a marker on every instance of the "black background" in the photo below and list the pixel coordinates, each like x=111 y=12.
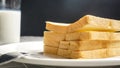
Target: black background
x=36 y=12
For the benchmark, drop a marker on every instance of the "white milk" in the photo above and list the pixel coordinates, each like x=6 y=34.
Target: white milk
x=9 y=26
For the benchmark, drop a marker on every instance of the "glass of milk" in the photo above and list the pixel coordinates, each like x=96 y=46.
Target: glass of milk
x=10 y=20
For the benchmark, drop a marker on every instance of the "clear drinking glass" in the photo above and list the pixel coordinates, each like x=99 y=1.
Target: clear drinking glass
x=10 y=20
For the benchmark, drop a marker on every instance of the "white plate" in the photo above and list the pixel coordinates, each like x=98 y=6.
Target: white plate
x=36 y=56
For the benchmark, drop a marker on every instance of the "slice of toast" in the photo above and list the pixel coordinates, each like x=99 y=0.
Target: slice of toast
x=81 y=45
x=51 y=42
x=90 y=54
x=115 y=24
x=54 y=35
x=64 y=45
x=86 y=45
x=89 y=35
x=112 y=52
x=113 y=44
x=64 y=53
x=89 y=45
x=90 y=22
x=50 y=50
x=115 y=36
x=86 y=23
x=52 y=38
x=57 y=27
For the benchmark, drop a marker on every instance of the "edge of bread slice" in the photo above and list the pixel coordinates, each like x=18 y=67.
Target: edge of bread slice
x=57 y=27
x=86 y=23
x=90 y=54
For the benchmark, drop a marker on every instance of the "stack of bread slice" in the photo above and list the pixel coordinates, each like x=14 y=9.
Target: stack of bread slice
x=90 y=37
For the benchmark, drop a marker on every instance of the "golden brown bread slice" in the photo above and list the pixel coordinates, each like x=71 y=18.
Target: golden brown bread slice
x=57 y=27
x=86 y=45
x=51 y=42
x=86 y=23
x=64 y=53
x=64 y=44
x=112 y=52
x=90 y=22
x=54 y=35
x=53 y=38
x=50 y=50
x=89 y=45
x=90 y=54
x=115 y=36
x=115 y=24
x=82 y=45
x=89 y=35
x=113 y=44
